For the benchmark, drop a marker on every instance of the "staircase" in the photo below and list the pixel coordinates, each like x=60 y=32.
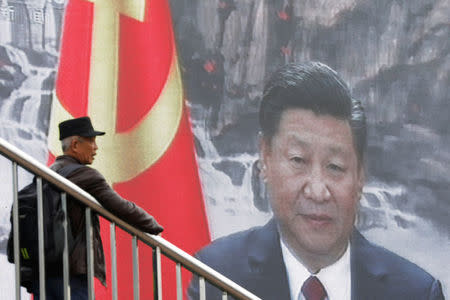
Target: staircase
x=160 y=246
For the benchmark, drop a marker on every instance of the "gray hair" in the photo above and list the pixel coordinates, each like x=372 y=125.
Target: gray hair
x=66 y=142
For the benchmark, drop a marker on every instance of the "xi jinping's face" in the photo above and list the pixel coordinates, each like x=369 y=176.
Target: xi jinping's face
x=315 y=182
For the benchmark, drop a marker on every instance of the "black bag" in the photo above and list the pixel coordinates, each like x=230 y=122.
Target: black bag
x=28 y=226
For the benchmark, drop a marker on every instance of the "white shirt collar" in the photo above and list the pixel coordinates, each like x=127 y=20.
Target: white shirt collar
x=336 y=278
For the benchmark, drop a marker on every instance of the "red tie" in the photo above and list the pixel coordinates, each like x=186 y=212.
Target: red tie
x=313 y=289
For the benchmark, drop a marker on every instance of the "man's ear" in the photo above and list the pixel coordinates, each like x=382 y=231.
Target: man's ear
x=264 y=149
x=74 y=145
x=264 y=152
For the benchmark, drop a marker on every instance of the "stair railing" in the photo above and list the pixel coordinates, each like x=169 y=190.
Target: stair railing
x=159 y=245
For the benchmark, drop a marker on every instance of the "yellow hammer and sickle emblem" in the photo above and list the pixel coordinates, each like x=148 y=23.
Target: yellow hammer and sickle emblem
x=122 y=156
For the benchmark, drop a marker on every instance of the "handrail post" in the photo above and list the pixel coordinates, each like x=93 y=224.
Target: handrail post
x=113 y=260
x=41 y=237
x=66 y=275
x=201 y=288
x=157 y=284
x=16 y=228
x=179 y=282
x=90 y=254
x=224 y=295
x=135 y=268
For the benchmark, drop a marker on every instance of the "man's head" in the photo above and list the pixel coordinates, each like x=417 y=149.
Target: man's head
x=312 y=147
x=78 y=139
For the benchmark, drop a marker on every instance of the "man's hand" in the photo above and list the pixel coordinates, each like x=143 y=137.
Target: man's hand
x=155 y=228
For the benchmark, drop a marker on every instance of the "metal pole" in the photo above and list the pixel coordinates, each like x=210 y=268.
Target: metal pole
x=201 y=288
x=90 y=254
x=16 y=229
x=66 y=248
x=113 y=260
x=224 y=295
x=135 y=268
x=179 y=282
x=157 y=283
x=40 y=212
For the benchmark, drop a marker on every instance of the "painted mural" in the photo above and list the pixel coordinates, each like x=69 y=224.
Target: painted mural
x=395 y=55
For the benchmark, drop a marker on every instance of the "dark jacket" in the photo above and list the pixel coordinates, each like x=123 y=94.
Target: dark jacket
x=253 y=259
x=94 y=183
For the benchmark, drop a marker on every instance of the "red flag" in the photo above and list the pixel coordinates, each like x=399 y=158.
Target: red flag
x=118 y=64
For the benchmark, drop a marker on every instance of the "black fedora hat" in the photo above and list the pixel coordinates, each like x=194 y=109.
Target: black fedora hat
x=79 y=126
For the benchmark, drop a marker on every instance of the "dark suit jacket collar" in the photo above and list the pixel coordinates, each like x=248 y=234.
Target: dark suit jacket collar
x=266 y=263
x=367 y=270
x=268 y=271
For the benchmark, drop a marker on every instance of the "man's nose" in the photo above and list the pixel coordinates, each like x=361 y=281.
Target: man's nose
x=316 y=188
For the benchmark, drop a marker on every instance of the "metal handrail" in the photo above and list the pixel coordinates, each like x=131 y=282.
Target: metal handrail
x=157 y=242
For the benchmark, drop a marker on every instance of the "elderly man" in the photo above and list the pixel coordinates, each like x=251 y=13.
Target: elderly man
x=79 y=148
x=313 y=140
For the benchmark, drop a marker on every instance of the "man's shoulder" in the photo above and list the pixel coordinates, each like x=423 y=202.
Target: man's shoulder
x=240 y=257
x=81 y=173
x=233 y=247
x=230 y=244
x=391 y=267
